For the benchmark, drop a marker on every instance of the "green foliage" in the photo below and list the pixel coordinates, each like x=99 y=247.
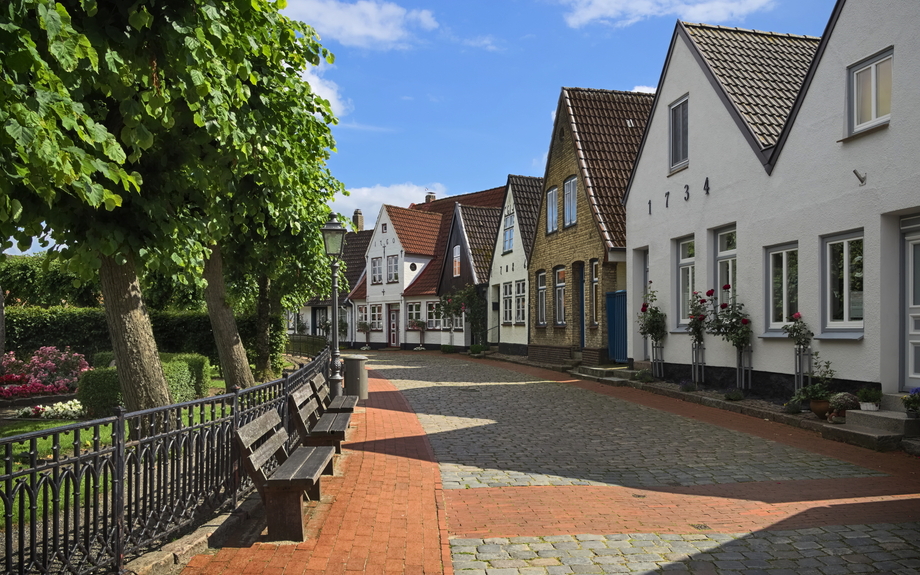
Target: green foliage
x=179 y=379
x=798 y=331
x=869 y=394
x=652 y=321
x=467 y=300
x=821 y=370
x=448 y=349
x=475 y=349
x=643 y=375
x=39 y=281
x=199 y=367
x=734 y=394
x=792 y=407
x=104 y=358
x=816 y=391
x=99 y=391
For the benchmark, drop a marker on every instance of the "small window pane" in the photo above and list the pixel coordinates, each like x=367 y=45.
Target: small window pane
x=915 y=254
x=883 y=87
x=686 y=250
x=792 y=282
x=864 y=96
x=776 y=278
x=856 y=283
x=836 y=281
x=728 y=241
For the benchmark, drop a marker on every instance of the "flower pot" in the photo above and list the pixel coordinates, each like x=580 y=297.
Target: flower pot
x=868 y=406
x=819 y=407
x=913 y=414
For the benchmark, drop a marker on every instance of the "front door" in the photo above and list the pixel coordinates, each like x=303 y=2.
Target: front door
x=394 y=326
x=912 y=312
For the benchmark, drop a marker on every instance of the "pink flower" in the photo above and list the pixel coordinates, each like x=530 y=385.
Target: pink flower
x=724 y=305
x=745 y=321
x=796 y=316
x=727 y=287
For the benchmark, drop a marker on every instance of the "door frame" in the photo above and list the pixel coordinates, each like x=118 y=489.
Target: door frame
x=393 y=324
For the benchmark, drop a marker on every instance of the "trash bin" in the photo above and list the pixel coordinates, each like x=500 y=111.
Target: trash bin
x=356 y=376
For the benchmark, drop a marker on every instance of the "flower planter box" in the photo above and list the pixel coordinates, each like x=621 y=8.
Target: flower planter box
x=868 y=406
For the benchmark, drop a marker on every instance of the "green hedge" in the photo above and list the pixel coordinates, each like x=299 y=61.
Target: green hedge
x=198 y=365
x=100 y=393
x=85 y=331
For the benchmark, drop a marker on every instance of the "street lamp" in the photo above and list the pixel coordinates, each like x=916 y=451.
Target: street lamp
x=334 y=240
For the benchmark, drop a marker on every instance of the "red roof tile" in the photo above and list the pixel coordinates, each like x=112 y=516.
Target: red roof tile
x=417 y=231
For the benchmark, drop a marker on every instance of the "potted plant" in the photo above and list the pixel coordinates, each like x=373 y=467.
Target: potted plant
x=839 y=404
x=869 y=397
x=911 y=402
x=817 y=395
x=419 y=325
x=365 y=328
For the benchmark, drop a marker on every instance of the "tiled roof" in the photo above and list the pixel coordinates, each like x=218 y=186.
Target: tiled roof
x=427 y=282
x=481 y=226
x=360 y=291
x=417 y=231
x=353 y=259
x=761 y=72
x=607 y=129
x=527 y=192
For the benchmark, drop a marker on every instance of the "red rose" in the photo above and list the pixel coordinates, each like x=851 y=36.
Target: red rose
x=710 y=293
x=745 y=321
x=702 y=301
x=724 y=305
x=644 y=309
x=702 y=318
x=727 y=287
x=796 y=315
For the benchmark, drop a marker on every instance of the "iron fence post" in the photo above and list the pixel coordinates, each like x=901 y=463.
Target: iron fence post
x=285 y=416
x=234 y=452
x=118 y=488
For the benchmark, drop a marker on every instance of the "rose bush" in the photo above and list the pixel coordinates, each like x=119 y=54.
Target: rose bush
x=49 y=366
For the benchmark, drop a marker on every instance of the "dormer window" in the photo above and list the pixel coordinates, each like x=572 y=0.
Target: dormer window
x=870 y=92
x=679 y=141
x=456 y=261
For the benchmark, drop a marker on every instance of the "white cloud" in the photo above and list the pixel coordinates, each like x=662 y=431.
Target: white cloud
x=626 y=12
x=373 y=24
x=541 y=161
x=644 y=89
x=327 y=89
x=369 y=199
x=484 y=42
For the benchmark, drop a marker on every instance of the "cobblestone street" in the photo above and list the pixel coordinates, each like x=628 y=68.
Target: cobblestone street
x=479 y=467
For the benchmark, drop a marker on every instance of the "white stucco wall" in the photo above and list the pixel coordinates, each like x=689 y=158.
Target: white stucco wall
x=507 y=267
x=812 y=193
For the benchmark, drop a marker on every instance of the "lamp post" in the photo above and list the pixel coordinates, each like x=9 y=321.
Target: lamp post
x=333 y=240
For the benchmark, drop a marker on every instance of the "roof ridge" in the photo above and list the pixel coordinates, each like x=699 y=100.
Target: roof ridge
x=606 y=91
x=749 y=30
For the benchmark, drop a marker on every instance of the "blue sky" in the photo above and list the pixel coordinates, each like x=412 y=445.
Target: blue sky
x=455 y=95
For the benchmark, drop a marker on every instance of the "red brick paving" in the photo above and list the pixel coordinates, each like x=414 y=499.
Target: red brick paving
x=386 y=513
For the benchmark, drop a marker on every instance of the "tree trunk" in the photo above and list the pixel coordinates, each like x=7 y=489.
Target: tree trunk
x=264 y=310
x=140 y=375
x=230 y=350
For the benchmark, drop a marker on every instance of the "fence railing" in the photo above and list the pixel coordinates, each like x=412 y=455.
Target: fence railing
x=85 y=497
x=308 y=345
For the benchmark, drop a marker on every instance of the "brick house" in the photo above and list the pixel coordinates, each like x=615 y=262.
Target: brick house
x=578 y=254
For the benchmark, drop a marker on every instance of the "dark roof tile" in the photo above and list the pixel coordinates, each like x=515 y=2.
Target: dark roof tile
x=527 y=192
x=481 y=227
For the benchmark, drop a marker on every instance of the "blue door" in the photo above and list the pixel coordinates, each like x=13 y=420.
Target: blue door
x=616 y=326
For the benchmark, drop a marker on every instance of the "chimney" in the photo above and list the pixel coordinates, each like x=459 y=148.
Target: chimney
x=429 y=197
x=358 y=220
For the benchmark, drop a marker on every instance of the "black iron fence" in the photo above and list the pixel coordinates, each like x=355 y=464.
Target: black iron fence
x=309 y=345
x=85 y=497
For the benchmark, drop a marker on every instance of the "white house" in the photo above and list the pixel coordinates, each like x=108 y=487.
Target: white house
x=508 y=283
x=786 y=166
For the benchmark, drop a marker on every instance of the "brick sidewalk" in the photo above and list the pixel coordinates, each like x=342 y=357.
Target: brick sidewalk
x=388 y=512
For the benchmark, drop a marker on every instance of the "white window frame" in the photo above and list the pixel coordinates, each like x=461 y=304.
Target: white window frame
x=726 y=264
x=788 y=277
x=570 y=202
x=508 y=237
x=686 y=275
x=678 y=136
x=595 y=291
x=362 y=313
x=849 y=321
x=392 y=269
x=376 y=317
x=457 y=322
x=376 y=270
x=552 y=210
x=541 y=298
x=559 y=296
x=431 y=315
x=520 y=301
x=413 y=311
x=869 y=66
x=507 y=300
x=456 y=261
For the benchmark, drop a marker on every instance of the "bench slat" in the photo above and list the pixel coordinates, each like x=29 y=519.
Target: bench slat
x=252 y=431
x=331 y=424
x=272 y=446
x=304 y=466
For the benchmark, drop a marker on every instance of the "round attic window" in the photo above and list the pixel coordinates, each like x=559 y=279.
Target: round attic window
x=413 y=267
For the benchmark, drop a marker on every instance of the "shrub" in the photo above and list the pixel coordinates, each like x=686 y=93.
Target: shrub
x=49 y=366
x=869 y=394
x=179 y=380
x=476 y=349
x=103 y=358
x=643 y=375
x=843 y=401
x=99 y=392
x=734 y=394
x=687 y=385
x=199 y=366
x=792 y=407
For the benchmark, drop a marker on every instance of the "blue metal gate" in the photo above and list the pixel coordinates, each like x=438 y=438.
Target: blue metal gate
x=616 y=326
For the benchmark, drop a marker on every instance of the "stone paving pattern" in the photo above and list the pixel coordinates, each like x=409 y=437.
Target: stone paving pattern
x=547 y=474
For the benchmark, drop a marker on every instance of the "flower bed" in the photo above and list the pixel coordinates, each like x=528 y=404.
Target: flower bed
x=72 y=409
x=49 y=371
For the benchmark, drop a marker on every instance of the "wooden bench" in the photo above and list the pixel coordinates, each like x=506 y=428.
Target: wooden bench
x=314 y=426
x=282 y=489
x=340 y=404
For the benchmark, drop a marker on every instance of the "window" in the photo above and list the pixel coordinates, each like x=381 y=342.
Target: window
x=458 y=322
x=392 y=269
x=362 y=313
x=376 y=270
x=383 y=228
x=726 y=262
x=784 y=285
x=456 y=261
x=559 y=298
x=870 y=92
x=678 y=136
x=506 y=302
x=377 y=316
x=569 y=201
x=520 y=301
x=413 y=311
x=434 y=322
x=508 y=242
x=552 y=210
x=844 y=281
x=686 y=272
x=595 y=291
x=541 y=298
